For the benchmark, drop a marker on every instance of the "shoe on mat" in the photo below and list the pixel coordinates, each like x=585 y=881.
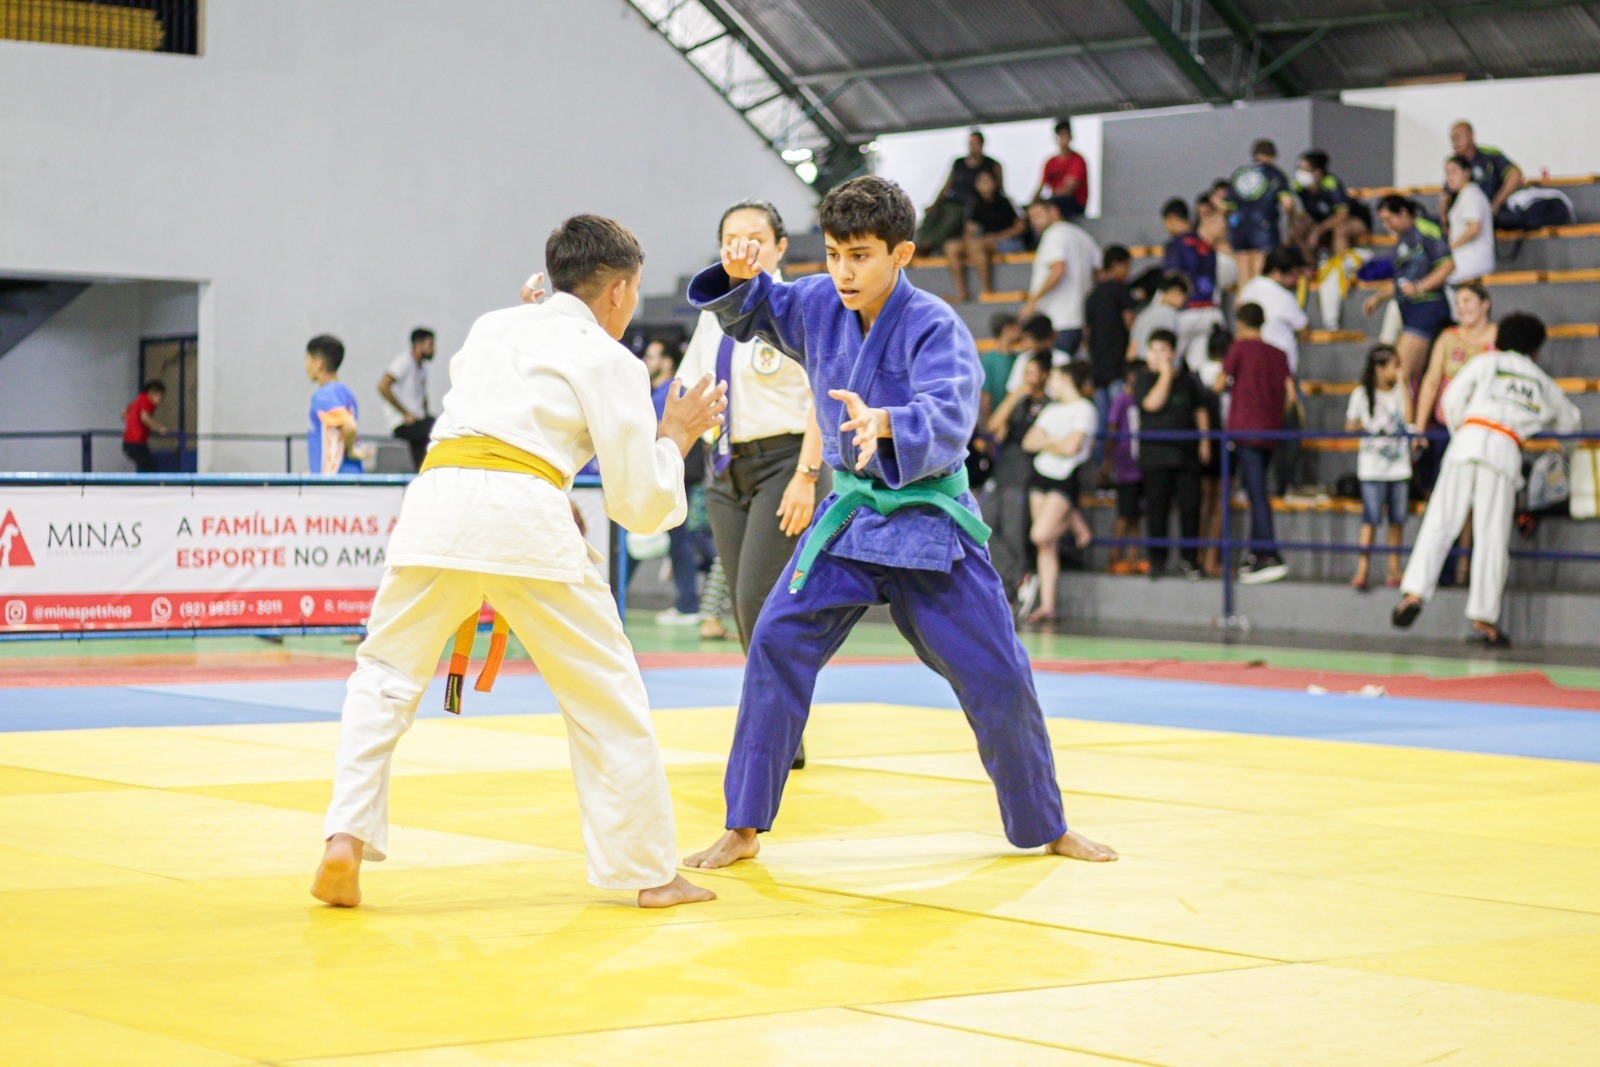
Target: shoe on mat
x=674 y=617
x=1482 y=640
x=1027 y=596
x=1405 y=613
x=1264 y=570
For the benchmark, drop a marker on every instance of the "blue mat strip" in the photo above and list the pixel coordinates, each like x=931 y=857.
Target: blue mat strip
x=1466 y=727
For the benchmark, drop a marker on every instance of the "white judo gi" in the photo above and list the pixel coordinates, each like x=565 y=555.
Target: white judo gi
x=1493 y=404
x=546 y=379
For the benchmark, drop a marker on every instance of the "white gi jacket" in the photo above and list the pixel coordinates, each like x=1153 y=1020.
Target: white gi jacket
x=548 y=380
x=1497 y=401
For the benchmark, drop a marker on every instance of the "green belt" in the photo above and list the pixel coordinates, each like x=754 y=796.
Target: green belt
x=855 y=492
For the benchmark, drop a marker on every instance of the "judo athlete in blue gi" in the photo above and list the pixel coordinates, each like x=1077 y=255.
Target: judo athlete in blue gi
x=896 y=371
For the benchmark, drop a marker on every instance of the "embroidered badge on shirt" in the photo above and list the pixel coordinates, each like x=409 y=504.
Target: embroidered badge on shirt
x=766 y=359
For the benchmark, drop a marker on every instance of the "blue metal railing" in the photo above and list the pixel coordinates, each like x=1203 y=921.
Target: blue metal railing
x=87 y=438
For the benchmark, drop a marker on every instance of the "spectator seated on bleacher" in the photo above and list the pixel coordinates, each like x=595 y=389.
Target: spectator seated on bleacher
x=1470 y=223
x=991 y=226
x=1038 y=339
x=1328 y=218
x=943 y=219
x=1066 y=176
x=1492 y=171
x=1006 y=329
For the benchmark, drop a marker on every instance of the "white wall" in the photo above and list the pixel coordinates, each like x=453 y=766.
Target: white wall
x=921 y=161
x=361 y=168
x=1540 y=123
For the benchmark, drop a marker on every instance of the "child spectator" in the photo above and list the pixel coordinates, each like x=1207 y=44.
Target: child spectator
x=1261 y=390
x=1258 y=192
x=1169 y=399
x=138 y=422
x=1060 y=442
x=1160 y=314
x=991 y=226
x=1063 y=272
x=1038 y=338
x=999 y=361
x=1122 y=470
x=332 y=437
x=1381 y=410
x=1186 y=253
x=1107 y=318
x=1066 y=176
x=1471 y=222
x=1005 y=505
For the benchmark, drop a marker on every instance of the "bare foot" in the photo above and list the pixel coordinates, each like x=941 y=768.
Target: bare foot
x=338 y=880
x=1359 y=582
x=678 y=891
x=1075 y=846
x=731 y=847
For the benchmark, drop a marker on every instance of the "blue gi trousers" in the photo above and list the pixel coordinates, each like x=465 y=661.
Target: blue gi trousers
x=960 y=625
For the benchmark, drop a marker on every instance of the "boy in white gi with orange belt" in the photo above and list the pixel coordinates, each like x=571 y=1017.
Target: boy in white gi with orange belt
x=1496 y=402
x=535 y=391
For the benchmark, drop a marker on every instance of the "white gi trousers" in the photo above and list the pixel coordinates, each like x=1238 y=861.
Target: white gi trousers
x=575 y=637
x=1489 y=495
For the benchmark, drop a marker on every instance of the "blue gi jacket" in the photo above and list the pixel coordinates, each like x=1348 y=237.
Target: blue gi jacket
x=918 y=361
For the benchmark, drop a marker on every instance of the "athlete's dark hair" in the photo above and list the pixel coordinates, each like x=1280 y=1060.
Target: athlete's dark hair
x=327 y=348
x=586 y=252
x=421 y=333
x=1521 y=332
x=869 y=207
x=774 y=219
x=1175 y=209
x=1317 y=158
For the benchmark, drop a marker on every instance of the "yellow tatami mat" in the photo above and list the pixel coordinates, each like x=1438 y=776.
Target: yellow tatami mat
x=1282 y=902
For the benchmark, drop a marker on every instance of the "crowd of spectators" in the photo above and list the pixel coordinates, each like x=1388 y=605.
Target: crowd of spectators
x=1092 y=386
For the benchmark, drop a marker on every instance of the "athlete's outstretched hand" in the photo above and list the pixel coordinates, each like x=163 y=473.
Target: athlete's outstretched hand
x=739 y=258
x=693 y=411
x=869 y=424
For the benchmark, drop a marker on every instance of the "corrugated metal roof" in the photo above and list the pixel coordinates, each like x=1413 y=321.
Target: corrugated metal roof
x=888 y=65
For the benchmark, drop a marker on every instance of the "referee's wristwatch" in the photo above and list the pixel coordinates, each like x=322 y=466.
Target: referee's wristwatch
x=811 y=473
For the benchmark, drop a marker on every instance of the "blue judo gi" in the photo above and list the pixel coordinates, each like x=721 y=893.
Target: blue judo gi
x=919 y=362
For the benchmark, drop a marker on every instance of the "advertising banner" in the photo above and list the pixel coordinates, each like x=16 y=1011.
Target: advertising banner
x=75 y=558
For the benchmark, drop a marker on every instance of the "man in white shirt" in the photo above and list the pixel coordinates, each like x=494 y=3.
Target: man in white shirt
x=1063 y=273
x=1494 y=403
x=1471 y=219
x=1273 y=290
x=404 y=388
x=536 y=391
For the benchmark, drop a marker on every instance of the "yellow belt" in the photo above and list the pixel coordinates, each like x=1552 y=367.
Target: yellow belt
x=488 y=454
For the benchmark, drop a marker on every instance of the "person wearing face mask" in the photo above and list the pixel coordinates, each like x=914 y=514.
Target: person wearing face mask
x=1328 y=217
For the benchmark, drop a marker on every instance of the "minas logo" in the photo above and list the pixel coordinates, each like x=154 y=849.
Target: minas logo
x=13 y=549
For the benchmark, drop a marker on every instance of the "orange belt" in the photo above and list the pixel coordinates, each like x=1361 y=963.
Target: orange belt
x=1496 y=427
x=491 y=454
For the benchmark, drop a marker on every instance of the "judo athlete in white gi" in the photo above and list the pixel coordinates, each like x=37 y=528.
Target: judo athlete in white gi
x=1493 y=404
x=535 y=391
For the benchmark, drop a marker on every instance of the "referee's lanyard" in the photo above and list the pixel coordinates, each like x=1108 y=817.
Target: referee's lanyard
x=724 y=443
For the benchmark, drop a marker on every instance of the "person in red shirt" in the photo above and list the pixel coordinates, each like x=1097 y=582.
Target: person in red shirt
x=138 y=422
x=1066 y=176
x=1258 y=380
